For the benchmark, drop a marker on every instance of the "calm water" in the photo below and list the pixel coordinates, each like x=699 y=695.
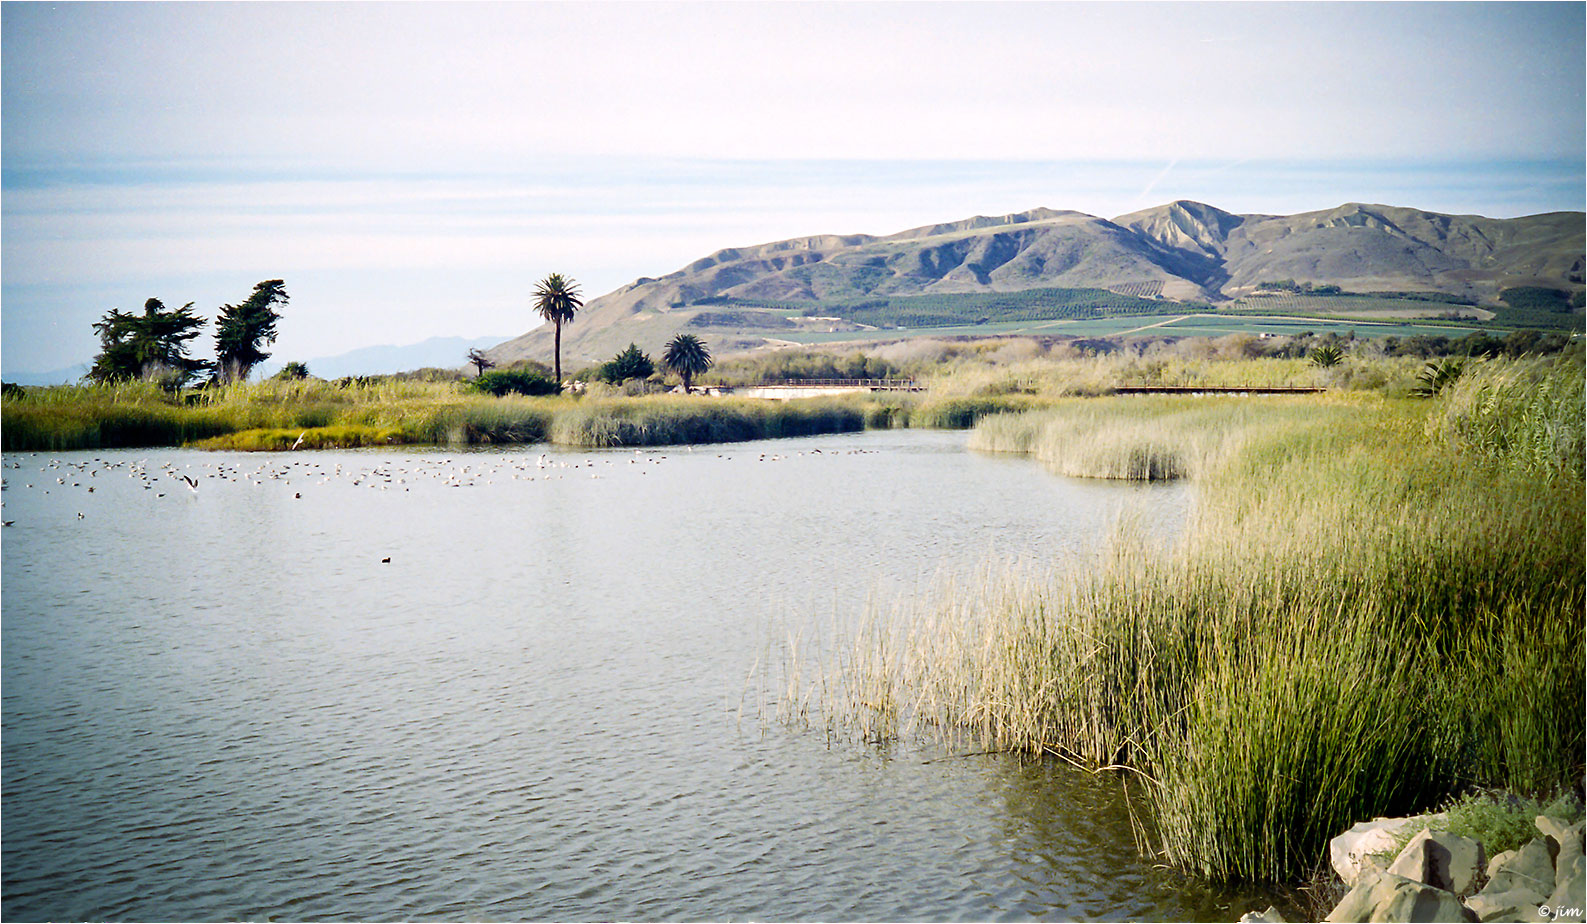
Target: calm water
x=223 y=704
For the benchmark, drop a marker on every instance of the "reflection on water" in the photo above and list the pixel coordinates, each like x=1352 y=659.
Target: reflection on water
x=224 y=702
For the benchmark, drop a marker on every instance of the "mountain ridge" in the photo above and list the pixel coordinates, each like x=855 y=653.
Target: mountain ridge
x=1182 y=250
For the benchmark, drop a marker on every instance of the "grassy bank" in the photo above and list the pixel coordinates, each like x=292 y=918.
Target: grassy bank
x=965 y=384
x=277 y=415
x=1377 y=605
x=665 y=420
x=261 y=414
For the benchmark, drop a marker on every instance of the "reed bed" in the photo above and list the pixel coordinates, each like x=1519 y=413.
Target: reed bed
x=333 y=437
x=1095 y=375
x=1527 y=413
x=1361 y=619
x=256 y=415
x=1141 y=438
x=667 y=420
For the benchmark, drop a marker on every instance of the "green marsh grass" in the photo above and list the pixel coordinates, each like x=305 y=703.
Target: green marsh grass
x=1361 y=619
x=334 y=437
x=1527 y=413
x=272 y=414
x=667 y=420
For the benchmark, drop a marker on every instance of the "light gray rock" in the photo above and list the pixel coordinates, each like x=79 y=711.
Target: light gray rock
x=1571 y=851
x=1569 y=901
x=1441 y=859
x=1565 y=840
x=1270 y=916
x=1517 y=905
x=1395 y=898
x=1553 y=827
x=1348 y=852
x=1499 y=859
x=1529 y=869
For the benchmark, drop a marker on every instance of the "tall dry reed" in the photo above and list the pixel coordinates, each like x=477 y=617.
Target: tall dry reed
x=1360 y=620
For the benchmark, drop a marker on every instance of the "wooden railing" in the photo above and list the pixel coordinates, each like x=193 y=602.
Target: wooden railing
x=872 y=384
x=1216 y=389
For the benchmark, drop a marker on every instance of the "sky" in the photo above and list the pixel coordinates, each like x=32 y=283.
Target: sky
x=411 y=169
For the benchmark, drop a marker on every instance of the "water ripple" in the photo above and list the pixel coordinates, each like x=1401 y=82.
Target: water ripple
x=225 y=706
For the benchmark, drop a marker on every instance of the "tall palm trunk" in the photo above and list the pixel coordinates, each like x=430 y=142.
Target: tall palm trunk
x=557 y=353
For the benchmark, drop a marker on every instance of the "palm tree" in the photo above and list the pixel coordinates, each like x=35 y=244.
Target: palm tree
x=687 y=356
x=1436 y=376
x=556 y=299
x=1326 y=356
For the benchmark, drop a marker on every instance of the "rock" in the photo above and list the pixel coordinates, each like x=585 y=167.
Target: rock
x=1517 y=905
x=1499 y=859
x=1565 y=841
x=1553 y=827
x=1395 y=898
x=1569 y=901
x=1530 y=869
x=1348 y=851
x=1441 y=859
x=1270 y=916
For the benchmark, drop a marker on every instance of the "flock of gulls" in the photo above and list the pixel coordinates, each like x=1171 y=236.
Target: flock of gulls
x=85 y=476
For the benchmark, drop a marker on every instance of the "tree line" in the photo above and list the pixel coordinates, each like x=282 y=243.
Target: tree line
x=154 y=345
x=557 y=300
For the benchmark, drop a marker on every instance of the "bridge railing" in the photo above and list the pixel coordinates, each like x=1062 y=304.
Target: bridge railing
x=877 y=384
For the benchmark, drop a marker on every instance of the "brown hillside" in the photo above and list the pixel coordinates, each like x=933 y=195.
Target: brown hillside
x=1194 y=250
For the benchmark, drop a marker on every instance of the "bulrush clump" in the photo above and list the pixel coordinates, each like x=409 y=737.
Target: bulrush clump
x=1376 y=604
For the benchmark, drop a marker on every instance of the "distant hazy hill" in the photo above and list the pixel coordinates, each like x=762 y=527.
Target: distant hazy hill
x=63 y=376
x=1183 y=250
x=441 y=352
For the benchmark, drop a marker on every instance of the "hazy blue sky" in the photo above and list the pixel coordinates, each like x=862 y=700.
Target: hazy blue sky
x=411 y=169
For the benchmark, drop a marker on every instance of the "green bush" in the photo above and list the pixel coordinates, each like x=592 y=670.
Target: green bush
x=529 y=382
x=631 y=363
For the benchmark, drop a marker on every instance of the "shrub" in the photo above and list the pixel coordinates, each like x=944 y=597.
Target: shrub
x=1497 y=820
x=631 y=363
x=500 y=382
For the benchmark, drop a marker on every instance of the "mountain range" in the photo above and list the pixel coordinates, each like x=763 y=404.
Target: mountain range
x=1181 y=251
x=439 y=352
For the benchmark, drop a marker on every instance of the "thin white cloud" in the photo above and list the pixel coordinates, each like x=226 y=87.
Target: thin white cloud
x=1140 y=197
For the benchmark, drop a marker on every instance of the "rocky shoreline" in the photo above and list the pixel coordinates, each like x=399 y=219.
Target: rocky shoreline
x=1440 y=876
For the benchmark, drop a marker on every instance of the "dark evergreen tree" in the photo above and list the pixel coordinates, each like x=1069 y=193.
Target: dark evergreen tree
x=150 y=345
x=631 y=363
x=242 y=329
